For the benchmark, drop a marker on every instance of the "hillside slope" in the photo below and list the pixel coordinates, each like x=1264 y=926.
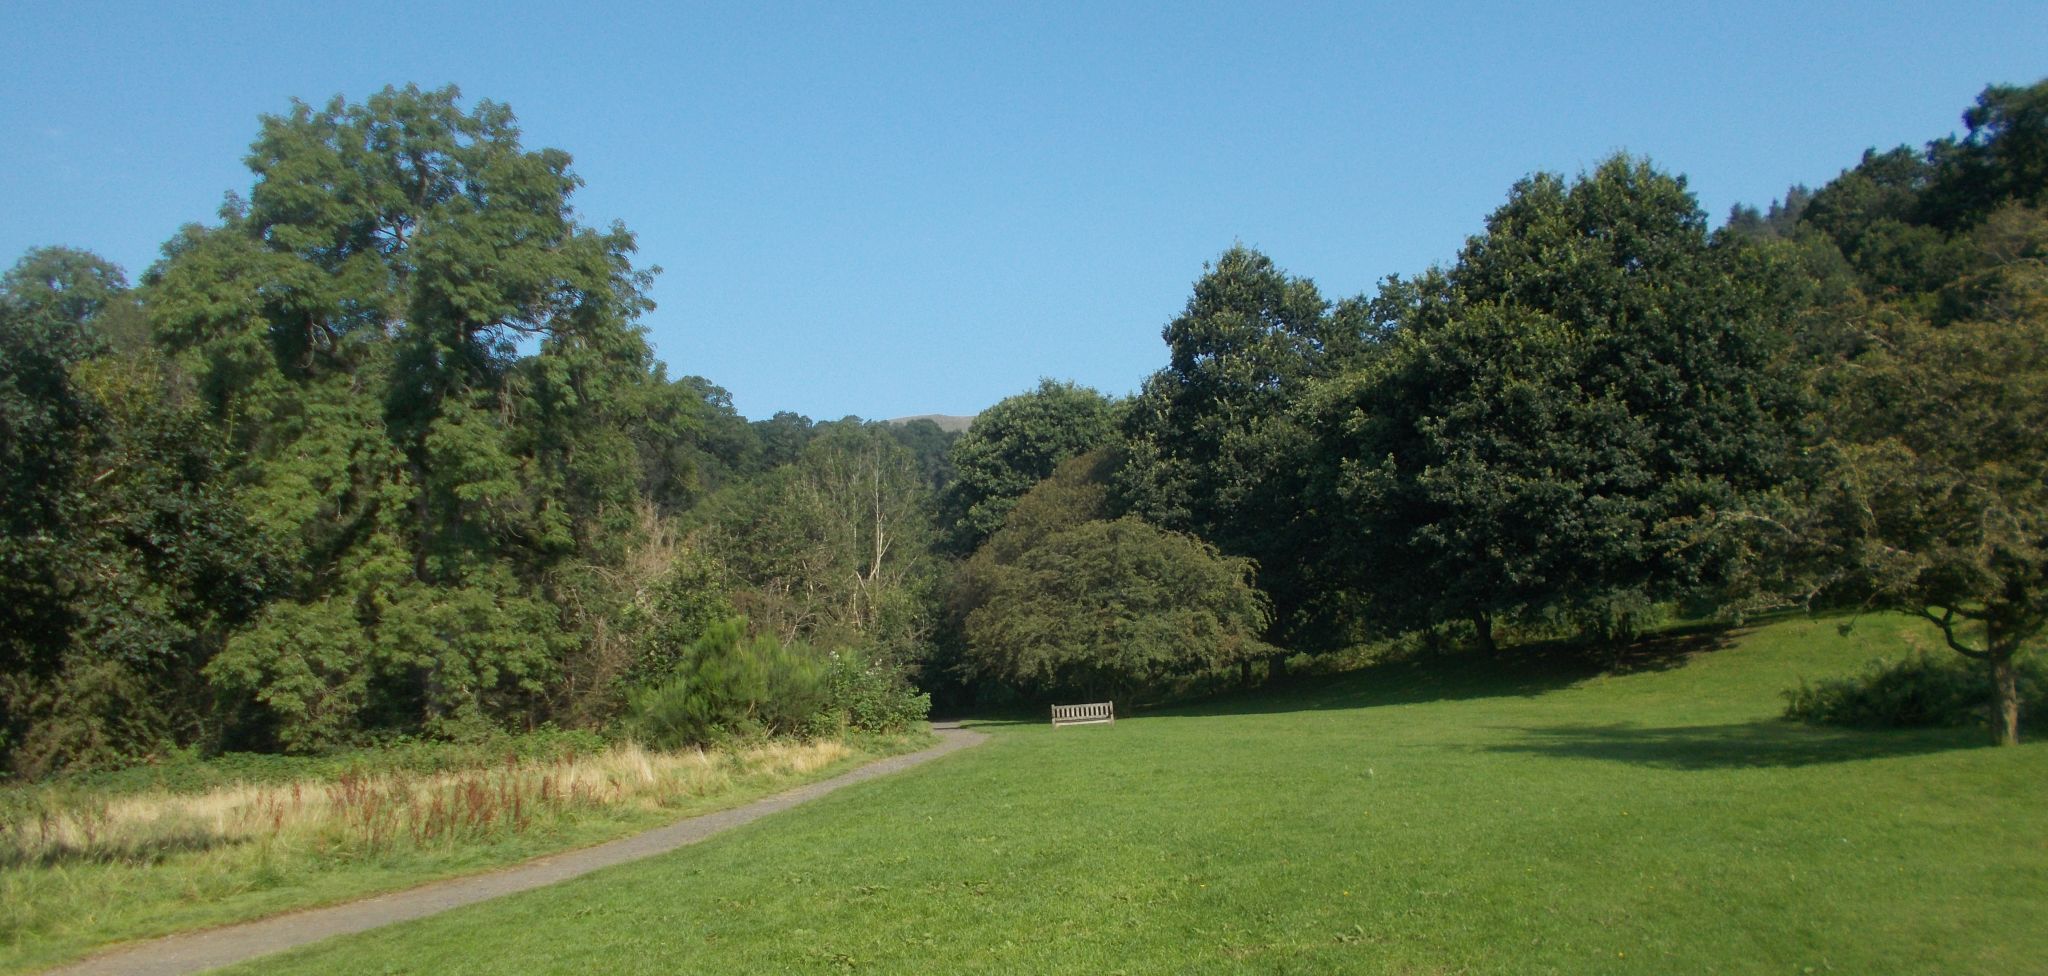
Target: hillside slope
x=947 y=422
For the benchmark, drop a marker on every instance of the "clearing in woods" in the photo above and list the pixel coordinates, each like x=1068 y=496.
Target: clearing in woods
x=1523 y=814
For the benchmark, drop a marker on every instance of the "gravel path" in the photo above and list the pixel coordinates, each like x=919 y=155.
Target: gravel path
x=194 y=952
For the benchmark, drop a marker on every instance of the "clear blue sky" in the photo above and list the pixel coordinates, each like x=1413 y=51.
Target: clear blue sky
x=895 y=209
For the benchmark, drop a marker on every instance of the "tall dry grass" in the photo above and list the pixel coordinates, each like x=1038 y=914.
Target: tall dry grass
x=374 y=813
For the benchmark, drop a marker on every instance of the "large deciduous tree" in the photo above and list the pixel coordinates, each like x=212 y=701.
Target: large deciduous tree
x=1012 y=446
x=432 y=366
x=1935 y=410
x=1115 y=608
x=1940 y=504
x=1214 y=446
x=1565 y=417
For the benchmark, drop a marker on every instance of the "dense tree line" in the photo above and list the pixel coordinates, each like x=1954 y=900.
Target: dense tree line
x=1604 y=412
x=384 y=451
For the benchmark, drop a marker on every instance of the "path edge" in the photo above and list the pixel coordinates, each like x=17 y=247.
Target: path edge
x=184 y=953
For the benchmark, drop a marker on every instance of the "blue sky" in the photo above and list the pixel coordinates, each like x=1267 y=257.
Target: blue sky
x=921 y=208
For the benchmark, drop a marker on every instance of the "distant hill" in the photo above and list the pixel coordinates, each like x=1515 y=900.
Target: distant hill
x=946 y=423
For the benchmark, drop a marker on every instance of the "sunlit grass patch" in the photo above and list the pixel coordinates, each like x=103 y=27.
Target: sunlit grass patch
x=1455 y=814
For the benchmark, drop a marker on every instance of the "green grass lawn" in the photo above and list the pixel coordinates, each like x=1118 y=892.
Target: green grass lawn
x=1433 y=817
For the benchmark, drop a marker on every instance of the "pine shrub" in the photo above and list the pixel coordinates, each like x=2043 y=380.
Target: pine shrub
x=729 y=685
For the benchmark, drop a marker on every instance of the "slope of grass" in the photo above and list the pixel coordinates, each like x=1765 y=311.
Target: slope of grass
x=83 y=867
x=1448 y=816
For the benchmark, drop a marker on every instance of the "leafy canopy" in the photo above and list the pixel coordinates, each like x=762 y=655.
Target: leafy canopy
x=1012 y=446
x=1115 y=608
x=1560 y=419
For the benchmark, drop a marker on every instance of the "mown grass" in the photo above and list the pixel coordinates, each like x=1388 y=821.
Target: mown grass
x=83 y=864
x=1434 y=816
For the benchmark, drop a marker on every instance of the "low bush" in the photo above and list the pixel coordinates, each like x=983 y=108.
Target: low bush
x=1920 y=691
x=729 y=685
x=865 y=695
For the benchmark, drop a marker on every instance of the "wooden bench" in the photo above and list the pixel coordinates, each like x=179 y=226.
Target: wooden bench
x=1083 y=714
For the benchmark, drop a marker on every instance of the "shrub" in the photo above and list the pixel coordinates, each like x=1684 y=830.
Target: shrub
x=1920 y=691
x=1115 y=609
x=866 y=695
x=728 y=685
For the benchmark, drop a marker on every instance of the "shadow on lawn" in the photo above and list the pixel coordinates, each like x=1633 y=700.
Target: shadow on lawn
x=21 y=851
x=1523 y=671
x=1753 y=745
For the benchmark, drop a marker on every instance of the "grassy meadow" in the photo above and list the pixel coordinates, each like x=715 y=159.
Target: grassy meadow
x=85 y=865
x=1442 y=815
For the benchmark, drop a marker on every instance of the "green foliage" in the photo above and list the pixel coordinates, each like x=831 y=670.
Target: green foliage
x=864 y=695
x=47 y=425
x=1780 y=221
x=1560 y=423
x=420 y=385
x=190 y=771
x=384 y=452
x=2001 y=159
x=835 y=548
x=1015 y=444
x=730 y=685
x=680 y=606
x=782 y=438
x=1899 y=216
x=690 y=441
x=1115 y=608
x=1213 y=447
x=1938 y=501
x=126 y=558
x=1077 y=492
x=356 y=330
x=1919 y=691
x=635 y=616
x=1925 y=493
x=1248 y=338
x=1871 y=213
x=932 y=446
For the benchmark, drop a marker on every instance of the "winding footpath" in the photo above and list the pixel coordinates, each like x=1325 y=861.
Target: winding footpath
x=194 y=952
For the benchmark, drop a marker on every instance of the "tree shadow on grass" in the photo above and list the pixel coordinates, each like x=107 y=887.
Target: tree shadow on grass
x=1522 y=671
x=15 y=854
x=1662 y=651
x=1519 y=671
x=1767 y=744
x=996 y=720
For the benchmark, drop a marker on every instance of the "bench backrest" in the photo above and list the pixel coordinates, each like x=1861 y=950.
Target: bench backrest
x=1083 y=714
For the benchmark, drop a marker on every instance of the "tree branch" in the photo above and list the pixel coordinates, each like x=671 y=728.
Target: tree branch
x=1947 y=624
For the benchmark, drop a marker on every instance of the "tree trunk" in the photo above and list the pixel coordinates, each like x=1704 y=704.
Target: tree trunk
x=2005 y=696
x=1482 y=624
